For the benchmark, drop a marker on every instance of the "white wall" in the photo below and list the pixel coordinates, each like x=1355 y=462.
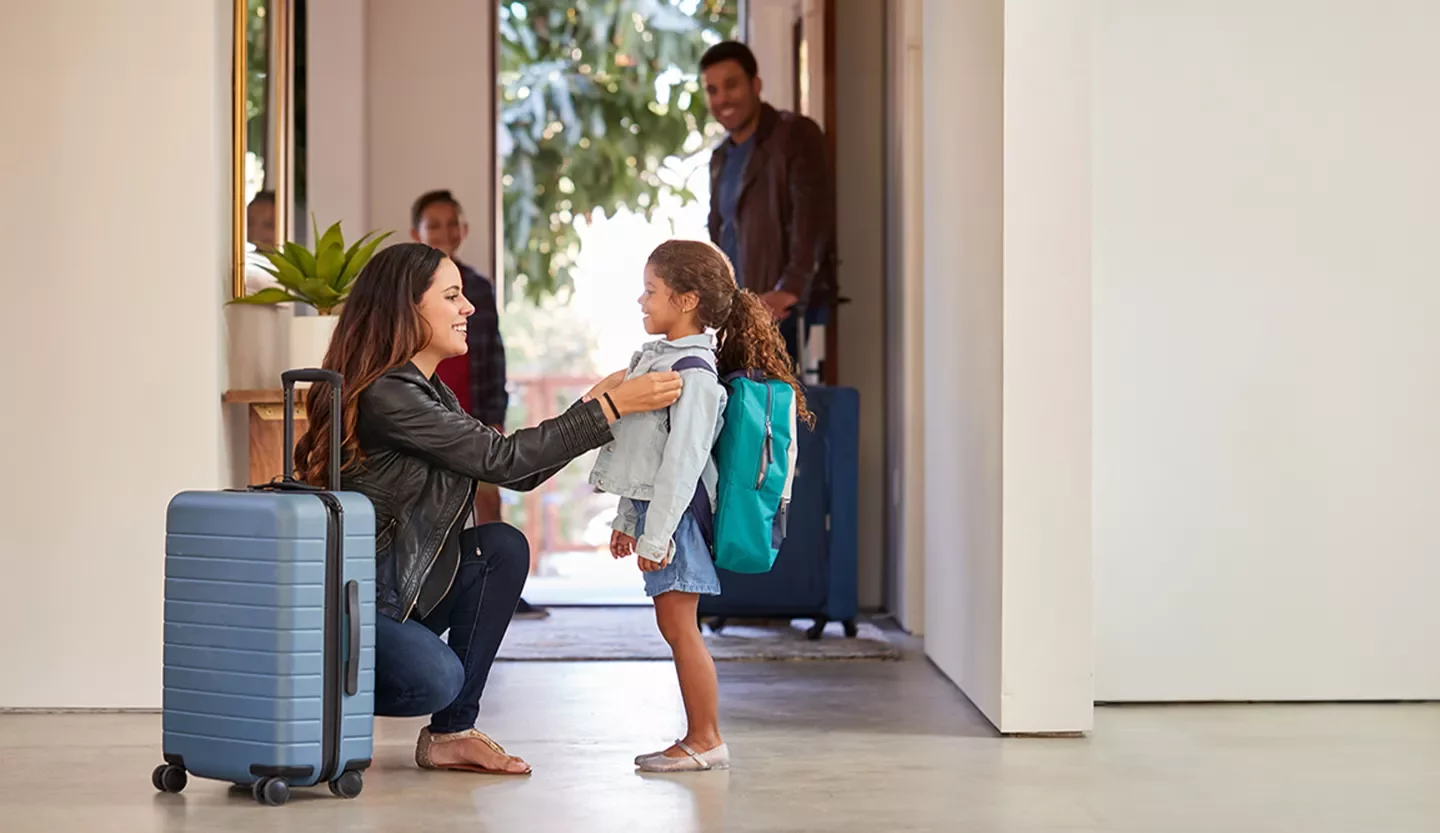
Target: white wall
x=963 y=108
x=1266 y=392
x=430 y=90
x=336 y=117
x=1006 y=357
x=859 y=129
x=770 y=35
x=114 y=225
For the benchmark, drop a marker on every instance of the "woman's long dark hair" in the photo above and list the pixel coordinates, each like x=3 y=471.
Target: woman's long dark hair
x=380 y=328
x=746 y=331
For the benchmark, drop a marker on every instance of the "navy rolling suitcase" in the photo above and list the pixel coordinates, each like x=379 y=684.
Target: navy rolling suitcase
x=270 y=631
x=816 y=572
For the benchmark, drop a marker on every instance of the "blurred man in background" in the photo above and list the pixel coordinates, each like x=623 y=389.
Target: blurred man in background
x=771 y=203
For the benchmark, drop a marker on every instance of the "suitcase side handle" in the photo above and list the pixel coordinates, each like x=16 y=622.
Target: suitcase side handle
x=352 y=656
x=336 y=382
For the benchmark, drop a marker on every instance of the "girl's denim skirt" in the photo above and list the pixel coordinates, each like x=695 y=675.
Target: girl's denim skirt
x=691 y=570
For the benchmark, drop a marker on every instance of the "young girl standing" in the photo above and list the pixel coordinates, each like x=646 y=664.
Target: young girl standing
x=657 y=459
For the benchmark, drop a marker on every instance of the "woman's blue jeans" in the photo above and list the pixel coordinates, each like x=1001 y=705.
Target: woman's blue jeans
x=416 y=673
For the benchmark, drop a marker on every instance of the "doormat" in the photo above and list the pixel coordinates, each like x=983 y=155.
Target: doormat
x=630 y=633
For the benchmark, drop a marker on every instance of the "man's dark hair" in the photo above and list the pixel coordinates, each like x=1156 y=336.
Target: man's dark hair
x=428 y=199
x=262 y=197
x=730 y=51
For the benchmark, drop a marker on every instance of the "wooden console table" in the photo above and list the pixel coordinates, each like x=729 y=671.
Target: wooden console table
x=267 y=428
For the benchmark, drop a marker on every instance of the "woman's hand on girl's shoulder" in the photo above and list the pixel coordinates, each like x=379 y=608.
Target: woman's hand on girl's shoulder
x=606 y=385
x=647 y=392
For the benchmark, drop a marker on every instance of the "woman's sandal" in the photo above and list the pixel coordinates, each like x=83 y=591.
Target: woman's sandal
x=427 y=741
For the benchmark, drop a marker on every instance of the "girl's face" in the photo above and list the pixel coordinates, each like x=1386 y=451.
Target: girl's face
x=445 y=309
x=662 y=308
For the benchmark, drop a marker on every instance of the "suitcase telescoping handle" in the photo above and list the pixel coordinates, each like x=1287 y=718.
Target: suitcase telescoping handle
x=336 y=382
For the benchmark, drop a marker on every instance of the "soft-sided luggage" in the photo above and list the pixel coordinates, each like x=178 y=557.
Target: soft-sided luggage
x=815 y=575
x=270 y=630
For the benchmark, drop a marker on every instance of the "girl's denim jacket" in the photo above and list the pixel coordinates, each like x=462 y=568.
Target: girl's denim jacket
x=648 y=461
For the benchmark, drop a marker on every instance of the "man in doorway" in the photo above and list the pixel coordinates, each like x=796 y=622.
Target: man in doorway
x=478 y=377
x=771 y=203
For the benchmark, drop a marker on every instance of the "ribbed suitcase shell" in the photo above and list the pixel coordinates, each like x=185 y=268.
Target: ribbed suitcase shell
x=246 y=609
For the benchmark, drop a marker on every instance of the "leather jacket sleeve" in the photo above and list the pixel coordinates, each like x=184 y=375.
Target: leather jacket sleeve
x=413 y=421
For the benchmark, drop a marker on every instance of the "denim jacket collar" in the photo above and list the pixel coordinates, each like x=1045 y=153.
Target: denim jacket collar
x=705 y=340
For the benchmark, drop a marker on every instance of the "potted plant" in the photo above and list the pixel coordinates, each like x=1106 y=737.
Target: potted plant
x=320 y=278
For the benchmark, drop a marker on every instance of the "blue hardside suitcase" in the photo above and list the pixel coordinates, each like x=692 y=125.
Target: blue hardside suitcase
x=816 y=573
x=270 y=631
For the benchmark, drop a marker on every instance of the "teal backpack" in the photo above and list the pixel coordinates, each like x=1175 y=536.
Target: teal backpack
x=756 y=466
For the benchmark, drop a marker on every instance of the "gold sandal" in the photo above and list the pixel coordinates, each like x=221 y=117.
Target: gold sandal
x=428 y=740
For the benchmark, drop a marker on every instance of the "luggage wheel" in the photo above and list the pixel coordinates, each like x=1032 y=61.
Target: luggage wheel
x=348 y=785
x=817 y=630
x=271 y=791
x=169 y=778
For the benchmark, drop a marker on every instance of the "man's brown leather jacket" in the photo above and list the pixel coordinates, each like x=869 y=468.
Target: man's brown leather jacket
x=785 y=214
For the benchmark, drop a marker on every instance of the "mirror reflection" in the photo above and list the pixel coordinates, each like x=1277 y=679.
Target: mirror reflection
x=274 y=131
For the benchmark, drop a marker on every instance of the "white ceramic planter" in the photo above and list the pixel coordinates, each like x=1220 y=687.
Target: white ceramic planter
x=309 y=339
x=259 y=344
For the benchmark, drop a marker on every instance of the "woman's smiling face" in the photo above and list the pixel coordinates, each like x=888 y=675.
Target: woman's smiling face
x=445 y=311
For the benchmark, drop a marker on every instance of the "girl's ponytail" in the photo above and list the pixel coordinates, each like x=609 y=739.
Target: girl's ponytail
x=750 y=340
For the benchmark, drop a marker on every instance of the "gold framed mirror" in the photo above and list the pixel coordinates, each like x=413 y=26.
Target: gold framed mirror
x=262 y=139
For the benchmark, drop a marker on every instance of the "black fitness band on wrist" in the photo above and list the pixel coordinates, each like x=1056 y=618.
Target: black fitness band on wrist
x=611 y=402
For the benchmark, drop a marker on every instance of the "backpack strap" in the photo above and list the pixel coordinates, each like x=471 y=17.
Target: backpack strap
x=752 y=375
x=704 y=518
x=699 y=501
x=693 y=363
x=688 y=363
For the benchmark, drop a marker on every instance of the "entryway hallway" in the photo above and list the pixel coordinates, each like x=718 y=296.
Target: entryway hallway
x=830 y=747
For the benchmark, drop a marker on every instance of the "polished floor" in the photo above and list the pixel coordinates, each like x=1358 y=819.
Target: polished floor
x=878 y=747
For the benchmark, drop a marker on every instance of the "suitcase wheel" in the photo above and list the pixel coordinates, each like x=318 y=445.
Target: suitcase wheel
x=348 y=785
x=169 y=778
x=271 y=791
x=817 y=630
x=851 y=629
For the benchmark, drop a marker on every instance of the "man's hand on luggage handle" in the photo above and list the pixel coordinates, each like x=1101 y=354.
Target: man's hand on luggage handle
x=779 y=303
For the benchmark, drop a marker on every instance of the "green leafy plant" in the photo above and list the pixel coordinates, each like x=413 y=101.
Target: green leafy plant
x=321 y=277
x=595 y=96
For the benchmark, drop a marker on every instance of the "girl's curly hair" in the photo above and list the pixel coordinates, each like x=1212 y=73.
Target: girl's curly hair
x=748 y=336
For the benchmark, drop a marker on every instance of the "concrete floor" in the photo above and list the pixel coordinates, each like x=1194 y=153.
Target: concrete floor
x=828 y=747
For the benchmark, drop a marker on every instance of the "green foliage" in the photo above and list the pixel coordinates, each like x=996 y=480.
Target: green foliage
x=595 y=96
x=257 y=78
x=549 y=337
x=321 y=277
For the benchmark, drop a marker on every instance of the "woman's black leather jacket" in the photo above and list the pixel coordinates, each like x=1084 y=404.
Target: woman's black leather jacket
x=422 y=458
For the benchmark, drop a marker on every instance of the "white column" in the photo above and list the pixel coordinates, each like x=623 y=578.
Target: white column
x=1006 y=357
x=1046 y=601
x=964 y=270
x=905 y=316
